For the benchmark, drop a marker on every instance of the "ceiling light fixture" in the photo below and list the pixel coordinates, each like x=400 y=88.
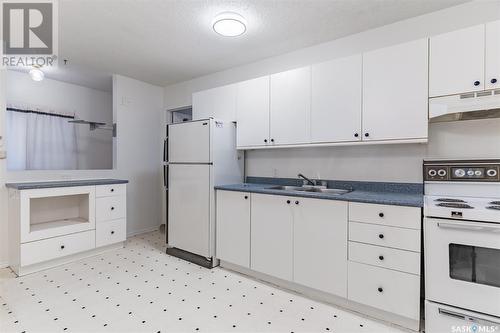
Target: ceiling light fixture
x=36 y=74
x=229 y=24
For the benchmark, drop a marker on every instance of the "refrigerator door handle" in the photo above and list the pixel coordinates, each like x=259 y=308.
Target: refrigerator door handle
x=165 y=150
x=165 y=176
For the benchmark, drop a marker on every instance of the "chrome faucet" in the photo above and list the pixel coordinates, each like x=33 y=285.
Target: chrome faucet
x=312 y=182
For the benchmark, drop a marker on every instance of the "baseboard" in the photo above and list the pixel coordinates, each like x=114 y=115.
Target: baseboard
x=142 y=231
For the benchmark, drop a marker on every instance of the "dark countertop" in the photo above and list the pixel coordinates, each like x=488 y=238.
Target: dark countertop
x=64 y=183
x=402 y=195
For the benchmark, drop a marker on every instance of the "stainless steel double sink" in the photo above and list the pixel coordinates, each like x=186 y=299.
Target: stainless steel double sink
x=334 y=191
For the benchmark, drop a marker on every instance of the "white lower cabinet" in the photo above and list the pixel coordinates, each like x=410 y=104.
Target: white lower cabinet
x=54 y=225
x=272 y=235
x=385 y=289
x=320 y=244
x=110 y=232
x=316 y=247
x=233 y=227
x=51 y=248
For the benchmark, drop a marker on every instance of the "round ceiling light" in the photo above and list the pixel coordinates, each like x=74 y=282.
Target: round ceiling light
x=36 y=74
x=229 y=24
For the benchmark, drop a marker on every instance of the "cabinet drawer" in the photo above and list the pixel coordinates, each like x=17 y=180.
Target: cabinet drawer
x=396 y=216
x=110 y=232
x=110 y=190
x=385 y=289
x=400 y=260
x=47 y=249
x=399 y=238
x=110 y=208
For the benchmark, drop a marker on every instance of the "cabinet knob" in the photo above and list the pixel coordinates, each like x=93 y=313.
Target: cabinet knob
x=112 y=232
x=476 y=83
x=112 y=208
x=112 y=190
x=356 y=135
x=272 y=140
x=381 y=257
x=367 y=134
x=288 y=201
x=246 y=196
x=380 y=289
x=381 y=214
x=265 y=140
x=380 y=236
x=62 y=247
x=493 y=80
x=297 y=202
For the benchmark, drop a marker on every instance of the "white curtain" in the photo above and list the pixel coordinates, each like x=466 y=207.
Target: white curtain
x=38 y=141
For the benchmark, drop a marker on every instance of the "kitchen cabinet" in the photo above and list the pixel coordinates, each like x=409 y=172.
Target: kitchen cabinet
x=336 y=100
x=290 y=106
x=252 y=113
x=218 y=103
x=320 y=244
x=395 y=92
x=233 y=227
x=457 y=61
x=492 y=56
x=272 y=235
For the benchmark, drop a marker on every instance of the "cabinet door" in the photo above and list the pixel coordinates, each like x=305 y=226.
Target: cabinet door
x=492 y=55
x=320 y=245
x=218 y=103
x=395 y=92
x=252 y=113
x=233 y=227
x=203 y=104
x=291 y=106
x=457 y=62
x=272 y=235
x=336 y=100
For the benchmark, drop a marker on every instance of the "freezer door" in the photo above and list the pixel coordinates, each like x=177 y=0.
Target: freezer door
x=189 y=142
x=189 y=208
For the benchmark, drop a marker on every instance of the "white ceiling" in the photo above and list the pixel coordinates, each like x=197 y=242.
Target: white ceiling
x=168 y=41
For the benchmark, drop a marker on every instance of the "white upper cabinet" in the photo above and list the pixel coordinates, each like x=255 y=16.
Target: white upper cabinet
x=492 y=55
x=291 y=106
x=395 y=87
x=457 y=62
x=218 y=103
x=252 y=112
x=336 y=100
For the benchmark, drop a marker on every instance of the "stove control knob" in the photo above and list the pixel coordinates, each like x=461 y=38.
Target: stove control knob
x=478 y=173
x=491 y=172
x=470 y=173
x=432 y=172
x=442 y=172
x=459 y=172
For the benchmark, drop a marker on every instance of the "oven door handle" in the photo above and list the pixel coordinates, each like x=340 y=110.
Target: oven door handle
x=473 y=226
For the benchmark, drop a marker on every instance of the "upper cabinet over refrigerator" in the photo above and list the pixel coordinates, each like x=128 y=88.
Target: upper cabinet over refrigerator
x=189 y=142
x=492 y=56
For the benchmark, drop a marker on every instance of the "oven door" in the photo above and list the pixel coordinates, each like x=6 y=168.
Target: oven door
x=462 y=264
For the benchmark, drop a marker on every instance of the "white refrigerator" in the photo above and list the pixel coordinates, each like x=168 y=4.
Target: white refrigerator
x=201 y=154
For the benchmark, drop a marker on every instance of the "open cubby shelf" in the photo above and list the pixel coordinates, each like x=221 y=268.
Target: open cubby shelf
x=58 y=223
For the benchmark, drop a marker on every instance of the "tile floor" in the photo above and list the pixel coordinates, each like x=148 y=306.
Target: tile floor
x=141 y=289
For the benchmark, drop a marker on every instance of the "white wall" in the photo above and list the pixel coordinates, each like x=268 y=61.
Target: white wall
x=94 y=147
x=378 y=163
x=137 y=156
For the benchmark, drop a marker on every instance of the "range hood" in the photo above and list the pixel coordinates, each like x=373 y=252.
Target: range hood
x=468 y=106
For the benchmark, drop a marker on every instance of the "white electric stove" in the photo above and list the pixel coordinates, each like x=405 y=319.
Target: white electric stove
x=462 y=245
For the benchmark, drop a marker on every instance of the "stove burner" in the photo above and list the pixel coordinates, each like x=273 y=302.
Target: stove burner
x=493 y=207
x=454 y=205
x=448 y=200
x=496 y=203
